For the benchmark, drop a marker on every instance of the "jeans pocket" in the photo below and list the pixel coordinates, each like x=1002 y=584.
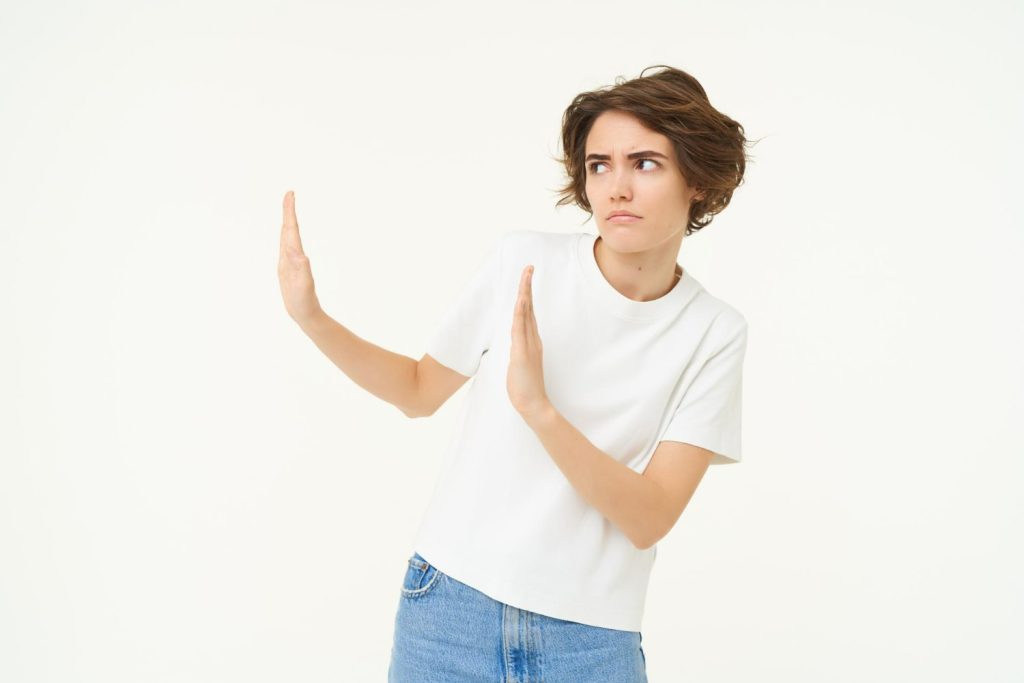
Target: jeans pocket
x=420 y=577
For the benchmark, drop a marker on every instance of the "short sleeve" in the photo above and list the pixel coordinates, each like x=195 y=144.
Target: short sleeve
x=465 y=330
x=709 y=414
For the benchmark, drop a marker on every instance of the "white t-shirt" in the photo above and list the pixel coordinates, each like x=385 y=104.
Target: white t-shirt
x=503 y=518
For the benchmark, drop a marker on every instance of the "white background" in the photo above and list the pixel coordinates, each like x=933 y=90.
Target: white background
x=191 y=491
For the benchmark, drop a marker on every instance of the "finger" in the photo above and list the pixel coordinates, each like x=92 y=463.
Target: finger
x=529 y=289
x=531 y=320
x=519 y=315
x=290 y=226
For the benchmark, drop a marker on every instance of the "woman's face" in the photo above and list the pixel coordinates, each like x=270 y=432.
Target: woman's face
x=649 y=185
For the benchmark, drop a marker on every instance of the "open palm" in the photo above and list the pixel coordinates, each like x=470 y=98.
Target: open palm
x=293 y=271
x=526 y=360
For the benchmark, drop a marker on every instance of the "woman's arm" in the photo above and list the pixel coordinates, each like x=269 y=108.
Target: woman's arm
x=387 y=375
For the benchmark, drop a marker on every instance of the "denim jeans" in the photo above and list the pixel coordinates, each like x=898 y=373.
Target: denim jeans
x=448 y=632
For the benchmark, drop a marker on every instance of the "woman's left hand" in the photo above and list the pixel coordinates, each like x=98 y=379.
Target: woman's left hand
x=526 y=367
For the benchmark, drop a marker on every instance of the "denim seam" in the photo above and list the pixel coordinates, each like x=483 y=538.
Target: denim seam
x=504 y=644
x=419 y=591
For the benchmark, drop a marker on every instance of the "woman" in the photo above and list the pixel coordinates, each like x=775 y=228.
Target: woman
x=606 y=380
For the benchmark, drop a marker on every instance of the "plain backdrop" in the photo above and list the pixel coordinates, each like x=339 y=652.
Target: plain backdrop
x=191 y=491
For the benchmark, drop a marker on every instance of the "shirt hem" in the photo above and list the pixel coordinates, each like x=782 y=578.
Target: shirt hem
x=483 y=580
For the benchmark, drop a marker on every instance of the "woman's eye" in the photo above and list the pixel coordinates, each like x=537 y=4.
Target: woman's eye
x=594 y=165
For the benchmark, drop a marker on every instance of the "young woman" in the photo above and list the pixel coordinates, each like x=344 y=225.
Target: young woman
x=606 y=380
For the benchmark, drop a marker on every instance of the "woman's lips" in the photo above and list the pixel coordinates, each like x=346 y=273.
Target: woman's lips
x=624 y=219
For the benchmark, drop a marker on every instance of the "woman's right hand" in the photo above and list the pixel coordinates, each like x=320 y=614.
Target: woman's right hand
x=293 y=269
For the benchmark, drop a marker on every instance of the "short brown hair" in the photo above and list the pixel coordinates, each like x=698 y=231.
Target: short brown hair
x=710 y=147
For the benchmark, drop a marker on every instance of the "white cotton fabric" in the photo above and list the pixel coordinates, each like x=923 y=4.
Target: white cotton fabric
x=503 y=518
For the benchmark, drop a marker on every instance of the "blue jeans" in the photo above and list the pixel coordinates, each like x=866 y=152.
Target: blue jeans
x=448 y=632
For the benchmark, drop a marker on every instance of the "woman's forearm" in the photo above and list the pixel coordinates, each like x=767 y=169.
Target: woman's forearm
x=387 y=375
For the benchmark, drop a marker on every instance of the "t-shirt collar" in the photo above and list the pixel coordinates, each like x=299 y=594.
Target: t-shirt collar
x=618 y=304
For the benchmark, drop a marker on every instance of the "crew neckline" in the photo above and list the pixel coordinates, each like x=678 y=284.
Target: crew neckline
x=614 y=301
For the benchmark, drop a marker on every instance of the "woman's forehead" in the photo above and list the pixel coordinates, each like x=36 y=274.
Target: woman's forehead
x=623 y=134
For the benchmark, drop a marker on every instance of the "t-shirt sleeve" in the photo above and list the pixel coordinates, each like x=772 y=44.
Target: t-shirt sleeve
x=709 y=414
x=465 y=330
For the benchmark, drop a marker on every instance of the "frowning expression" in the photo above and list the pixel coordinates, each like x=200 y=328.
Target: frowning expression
x=632 y=168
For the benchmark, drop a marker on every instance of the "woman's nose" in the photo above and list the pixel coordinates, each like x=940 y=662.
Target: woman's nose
x=620 y=186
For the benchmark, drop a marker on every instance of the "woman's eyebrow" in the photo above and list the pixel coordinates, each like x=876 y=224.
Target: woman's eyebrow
x=634 y=155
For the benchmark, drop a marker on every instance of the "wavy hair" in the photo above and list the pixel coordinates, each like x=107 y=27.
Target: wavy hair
x=710 y=147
